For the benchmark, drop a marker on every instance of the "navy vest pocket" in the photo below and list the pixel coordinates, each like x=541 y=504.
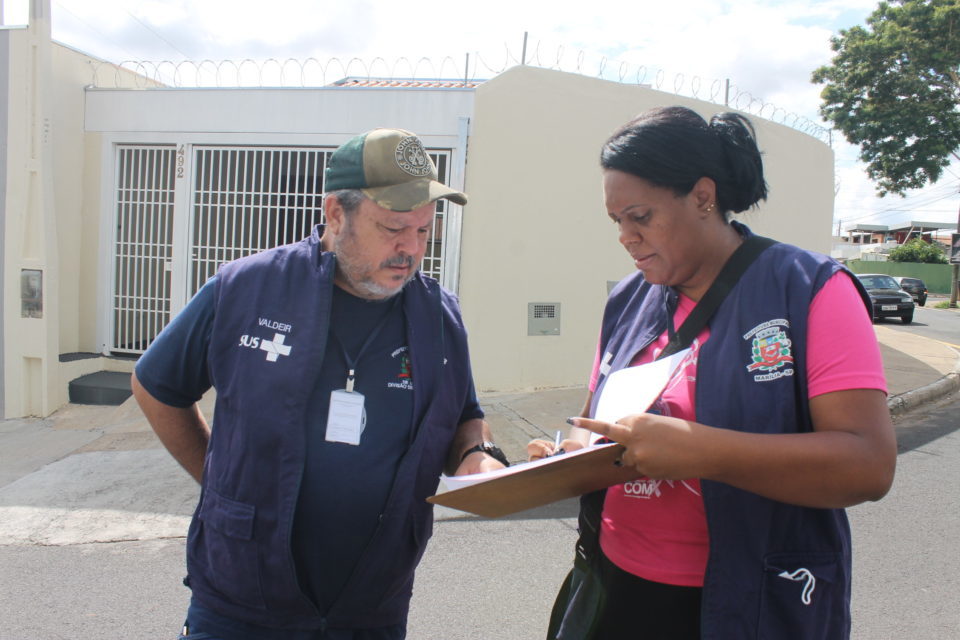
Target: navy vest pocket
x=804 y=596
x=229 y=550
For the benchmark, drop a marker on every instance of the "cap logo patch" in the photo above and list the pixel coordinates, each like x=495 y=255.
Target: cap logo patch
x=412 y=158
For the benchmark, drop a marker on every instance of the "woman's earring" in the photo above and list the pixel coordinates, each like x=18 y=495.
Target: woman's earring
x=711 y=207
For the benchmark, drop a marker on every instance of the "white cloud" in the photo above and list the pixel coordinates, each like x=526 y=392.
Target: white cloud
x=766 y=48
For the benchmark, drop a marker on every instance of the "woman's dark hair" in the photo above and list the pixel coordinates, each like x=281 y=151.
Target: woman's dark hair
x=673 y=147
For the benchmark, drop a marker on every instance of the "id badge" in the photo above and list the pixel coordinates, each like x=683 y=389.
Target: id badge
x=346 y=418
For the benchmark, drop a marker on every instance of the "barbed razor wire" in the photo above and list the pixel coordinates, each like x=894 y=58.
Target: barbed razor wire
x=448 y=71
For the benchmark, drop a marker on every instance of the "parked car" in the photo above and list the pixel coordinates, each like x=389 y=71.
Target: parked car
x=888 y=298
x=915 y=287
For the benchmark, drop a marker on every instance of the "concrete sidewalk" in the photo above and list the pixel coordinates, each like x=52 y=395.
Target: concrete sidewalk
x=98 y=474
x=918 y=370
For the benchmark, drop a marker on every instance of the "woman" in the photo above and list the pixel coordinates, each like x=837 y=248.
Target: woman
x=773 y=423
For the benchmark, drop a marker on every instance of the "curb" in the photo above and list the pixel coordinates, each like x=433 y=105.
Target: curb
x=916 y=398
x=937 y=389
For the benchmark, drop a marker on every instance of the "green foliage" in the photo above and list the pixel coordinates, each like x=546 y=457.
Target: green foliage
x=917 y=250
x=893 y=90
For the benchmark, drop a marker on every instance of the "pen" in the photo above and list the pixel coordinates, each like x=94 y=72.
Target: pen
x=556 y=445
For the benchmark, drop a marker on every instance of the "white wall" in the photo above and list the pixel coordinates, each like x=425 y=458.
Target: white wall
x=336 y=112
x=536 y=230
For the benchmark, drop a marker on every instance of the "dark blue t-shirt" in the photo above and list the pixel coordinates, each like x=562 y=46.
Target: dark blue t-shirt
x=344 y=487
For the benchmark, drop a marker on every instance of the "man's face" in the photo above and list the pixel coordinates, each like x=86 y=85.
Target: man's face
x=379 y=250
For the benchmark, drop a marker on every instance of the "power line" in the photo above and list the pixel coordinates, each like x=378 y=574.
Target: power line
x=150 y=29
x=100 y=34
x=911 y=203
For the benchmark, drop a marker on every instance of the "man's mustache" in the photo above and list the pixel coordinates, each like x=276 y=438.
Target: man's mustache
x=398 y=261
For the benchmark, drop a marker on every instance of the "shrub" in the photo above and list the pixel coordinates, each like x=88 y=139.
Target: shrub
x=917 y=250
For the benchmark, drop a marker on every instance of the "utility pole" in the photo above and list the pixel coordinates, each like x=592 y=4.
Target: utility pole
x=955 y=272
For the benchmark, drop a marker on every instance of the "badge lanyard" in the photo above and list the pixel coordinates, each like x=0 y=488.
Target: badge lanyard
x=347 y=417
x=352 y=362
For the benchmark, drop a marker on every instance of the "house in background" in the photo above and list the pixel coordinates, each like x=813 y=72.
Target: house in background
x=871 y=242
x=120 y=196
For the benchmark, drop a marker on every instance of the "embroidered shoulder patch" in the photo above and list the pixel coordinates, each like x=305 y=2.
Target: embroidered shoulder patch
x=770 y=350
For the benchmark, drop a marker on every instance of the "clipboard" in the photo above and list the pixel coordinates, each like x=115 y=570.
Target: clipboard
x=534 y=484
x=561 y=477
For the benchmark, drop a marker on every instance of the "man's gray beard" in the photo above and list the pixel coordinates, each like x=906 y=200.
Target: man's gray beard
x=346 y=267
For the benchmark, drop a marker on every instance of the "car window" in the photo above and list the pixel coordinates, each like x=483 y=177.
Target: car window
x=879 y=282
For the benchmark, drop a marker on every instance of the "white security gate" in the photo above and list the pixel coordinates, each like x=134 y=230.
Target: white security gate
x=242 y=200
x=143 y=245
x=248 y=200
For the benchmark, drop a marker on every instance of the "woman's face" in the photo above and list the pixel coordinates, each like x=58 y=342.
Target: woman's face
x=664 y=233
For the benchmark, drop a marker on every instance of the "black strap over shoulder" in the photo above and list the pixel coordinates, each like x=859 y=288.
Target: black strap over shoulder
x=591 y=505
x=734 y=267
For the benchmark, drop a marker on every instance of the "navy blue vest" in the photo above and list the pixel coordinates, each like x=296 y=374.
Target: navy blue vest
x=267 y=343
x=775 y=570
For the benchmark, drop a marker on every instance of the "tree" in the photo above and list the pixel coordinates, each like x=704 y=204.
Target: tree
x=917 y=250
x=893 y=89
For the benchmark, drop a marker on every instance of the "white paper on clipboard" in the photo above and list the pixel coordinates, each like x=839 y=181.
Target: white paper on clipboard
x=634 y=389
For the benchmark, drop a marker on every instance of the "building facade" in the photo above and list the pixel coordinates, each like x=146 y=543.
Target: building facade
x=117 y=203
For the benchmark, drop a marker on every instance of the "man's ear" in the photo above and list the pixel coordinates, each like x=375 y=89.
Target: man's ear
x=333 y=214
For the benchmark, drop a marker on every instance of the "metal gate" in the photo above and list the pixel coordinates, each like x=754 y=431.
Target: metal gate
x=248 y=200
x=242 y=200
x=143 y=245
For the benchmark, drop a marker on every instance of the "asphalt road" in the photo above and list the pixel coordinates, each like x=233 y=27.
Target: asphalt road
x=480 y=579
x=495 y=579
x=936 y=324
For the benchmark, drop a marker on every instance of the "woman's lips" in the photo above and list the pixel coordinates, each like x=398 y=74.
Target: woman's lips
x=641 y=261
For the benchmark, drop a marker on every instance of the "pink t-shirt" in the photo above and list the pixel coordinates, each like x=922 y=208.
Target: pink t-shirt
x=657 y=529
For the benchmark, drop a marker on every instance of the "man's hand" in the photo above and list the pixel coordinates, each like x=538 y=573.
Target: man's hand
x=183 y=431
x=539 y=449
x=477 y=462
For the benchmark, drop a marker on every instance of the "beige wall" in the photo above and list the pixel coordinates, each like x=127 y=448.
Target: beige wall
x=30 y=241
x=70 y=73
x=77 y=165
x=535 y=229
x=51 y=221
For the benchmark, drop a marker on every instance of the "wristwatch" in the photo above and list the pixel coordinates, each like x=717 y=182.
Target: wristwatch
x=490 y=449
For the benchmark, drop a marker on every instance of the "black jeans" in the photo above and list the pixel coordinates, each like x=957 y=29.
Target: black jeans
x=637 y=609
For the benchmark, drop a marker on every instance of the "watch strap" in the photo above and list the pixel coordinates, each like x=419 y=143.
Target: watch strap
x=490 y=449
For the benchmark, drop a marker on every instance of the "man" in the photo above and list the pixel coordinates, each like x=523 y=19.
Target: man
x=343 y=390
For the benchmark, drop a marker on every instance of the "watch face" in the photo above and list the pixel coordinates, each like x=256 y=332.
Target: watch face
x=496 y=453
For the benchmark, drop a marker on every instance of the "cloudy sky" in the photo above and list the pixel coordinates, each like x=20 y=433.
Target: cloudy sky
x=766 y=48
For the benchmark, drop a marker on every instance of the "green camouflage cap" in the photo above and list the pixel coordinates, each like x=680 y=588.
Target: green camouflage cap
x=391 y=168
